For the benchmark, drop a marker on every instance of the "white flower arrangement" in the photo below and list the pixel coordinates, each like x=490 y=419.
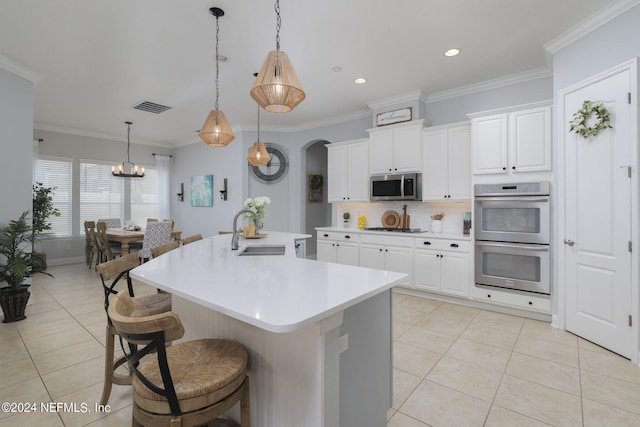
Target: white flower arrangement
x=258 y=205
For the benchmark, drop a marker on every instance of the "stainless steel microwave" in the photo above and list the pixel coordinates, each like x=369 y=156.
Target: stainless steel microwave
x=402 y=186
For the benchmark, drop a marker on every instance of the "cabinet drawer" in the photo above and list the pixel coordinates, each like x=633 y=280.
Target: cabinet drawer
x=512 y=299
x=339 y=236
x=443 y=244
x=385 y=240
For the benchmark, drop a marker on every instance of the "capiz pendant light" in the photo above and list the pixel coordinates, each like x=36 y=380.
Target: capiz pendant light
x=258 y=155
x=216 y=130
x=277 y=88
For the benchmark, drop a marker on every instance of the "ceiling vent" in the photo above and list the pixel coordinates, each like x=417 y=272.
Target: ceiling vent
x=151 y=107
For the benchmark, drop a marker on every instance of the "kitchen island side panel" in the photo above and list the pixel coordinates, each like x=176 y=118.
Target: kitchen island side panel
x=366 y=376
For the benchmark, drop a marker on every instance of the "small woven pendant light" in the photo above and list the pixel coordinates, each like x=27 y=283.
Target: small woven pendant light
x=216 y=130
x=258 y=155
x=277 y=88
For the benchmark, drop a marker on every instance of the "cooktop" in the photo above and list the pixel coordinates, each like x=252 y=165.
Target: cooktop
x=396 y=230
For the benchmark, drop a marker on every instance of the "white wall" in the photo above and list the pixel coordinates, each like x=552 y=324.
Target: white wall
x=16 y=145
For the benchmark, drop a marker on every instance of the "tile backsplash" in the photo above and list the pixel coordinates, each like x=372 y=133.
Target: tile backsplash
x=420 y=213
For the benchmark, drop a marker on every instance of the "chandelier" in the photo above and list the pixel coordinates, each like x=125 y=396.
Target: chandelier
x=277 y=88
x=127 y=169
x=216 y=130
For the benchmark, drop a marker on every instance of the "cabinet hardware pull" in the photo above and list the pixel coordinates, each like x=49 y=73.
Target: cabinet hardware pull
x=426 y=243
x=347 y=237
x=569 y=242
x=530 y=302
x=504 y=168
x=488 y=295
x=325 y=235
x=454 y=245
x=513 y=167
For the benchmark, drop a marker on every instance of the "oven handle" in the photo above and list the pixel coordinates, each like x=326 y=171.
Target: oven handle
x=402 y=186
x=512 y=199
x=542 y=248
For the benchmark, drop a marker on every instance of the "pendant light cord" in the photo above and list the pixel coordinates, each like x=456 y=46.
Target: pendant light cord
x=258 y=122
x=128 y=141
x=217 y=62
x=278 y=23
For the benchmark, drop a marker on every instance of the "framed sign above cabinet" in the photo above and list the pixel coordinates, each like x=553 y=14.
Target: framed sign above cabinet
x=395 y=116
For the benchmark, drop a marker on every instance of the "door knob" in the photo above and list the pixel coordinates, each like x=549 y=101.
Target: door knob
x=569 y=242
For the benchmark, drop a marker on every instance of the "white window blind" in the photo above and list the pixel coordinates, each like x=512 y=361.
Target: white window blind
x=145 y=201
x=56 y=173
x=101 y=194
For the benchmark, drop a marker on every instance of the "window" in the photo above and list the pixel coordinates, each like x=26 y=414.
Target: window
x=56 y=173
x=101 y=194
x=145 y=200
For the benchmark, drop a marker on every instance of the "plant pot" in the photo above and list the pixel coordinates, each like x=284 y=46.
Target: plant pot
x=14 y=303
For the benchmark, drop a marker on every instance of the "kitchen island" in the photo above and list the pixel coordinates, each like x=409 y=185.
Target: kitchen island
x=290 y=313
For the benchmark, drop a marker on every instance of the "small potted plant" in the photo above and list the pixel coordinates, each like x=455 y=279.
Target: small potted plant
x=346 y=217
x=17 y=264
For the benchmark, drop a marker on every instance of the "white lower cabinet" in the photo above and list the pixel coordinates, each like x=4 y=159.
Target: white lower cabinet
x=442 y=266
x=388 y=257
x=341 y=248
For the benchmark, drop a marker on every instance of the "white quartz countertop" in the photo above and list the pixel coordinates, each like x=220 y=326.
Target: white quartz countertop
x=275 y=293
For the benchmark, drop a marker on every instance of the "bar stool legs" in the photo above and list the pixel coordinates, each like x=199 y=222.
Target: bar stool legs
x=110 y=366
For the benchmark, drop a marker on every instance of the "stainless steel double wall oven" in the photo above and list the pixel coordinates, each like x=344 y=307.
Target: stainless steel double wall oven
x=512 y=236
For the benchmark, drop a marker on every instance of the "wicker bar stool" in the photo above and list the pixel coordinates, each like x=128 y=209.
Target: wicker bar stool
x=191 y=239
x=163 y=249
x=143 y=306
x=187 y=384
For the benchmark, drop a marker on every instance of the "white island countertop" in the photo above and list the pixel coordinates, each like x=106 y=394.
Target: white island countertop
x=277 y=293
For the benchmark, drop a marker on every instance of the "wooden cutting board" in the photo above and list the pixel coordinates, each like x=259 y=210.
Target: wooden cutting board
x=405 y=220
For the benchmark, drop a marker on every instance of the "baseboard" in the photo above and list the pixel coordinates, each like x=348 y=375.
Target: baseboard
x=65 y=261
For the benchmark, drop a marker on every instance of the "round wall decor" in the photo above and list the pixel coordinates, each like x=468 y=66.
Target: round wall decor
x=582 y=116
x=277 y=167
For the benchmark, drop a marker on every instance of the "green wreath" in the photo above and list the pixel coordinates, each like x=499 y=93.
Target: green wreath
x=580 y=118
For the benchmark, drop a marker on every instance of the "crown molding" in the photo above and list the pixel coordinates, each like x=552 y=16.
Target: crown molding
x=19 y=70
x=416 y=95
x=490 y=84
x=80 y=132
x=589 y=24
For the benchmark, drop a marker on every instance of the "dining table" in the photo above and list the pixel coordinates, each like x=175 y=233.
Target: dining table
x=126 y=237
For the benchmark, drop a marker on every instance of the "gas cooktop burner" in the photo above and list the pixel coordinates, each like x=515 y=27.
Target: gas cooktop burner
x=397 y=230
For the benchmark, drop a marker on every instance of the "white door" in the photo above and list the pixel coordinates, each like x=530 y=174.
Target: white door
x=598 y=218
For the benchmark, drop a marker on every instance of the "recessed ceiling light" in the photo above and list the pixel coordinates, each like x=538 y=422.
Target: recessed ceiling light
x=360 y=81
x=336 y=69
x=452 y=52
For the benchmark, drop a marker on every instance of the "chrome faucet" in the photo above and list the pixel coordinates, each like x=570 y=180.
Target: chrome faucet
x=236 y=233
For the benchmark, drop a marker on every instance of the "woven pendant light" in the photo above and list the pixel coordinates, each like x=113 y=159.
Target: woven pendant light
x=216 y=130
x=258 y=155
x=277 y=88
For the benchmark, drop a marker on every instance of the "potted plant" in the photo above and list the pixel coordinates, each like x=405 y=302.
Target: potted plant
x=346 y=217
x=43 y=208
x=17 y=263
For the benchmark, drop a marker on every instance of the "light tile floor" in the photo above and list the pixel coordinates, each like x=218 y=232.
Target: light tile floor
x=453 y=365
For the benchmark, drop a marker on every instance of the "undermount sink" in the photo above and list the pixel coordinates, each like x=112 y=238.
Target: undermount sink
x=262 y=250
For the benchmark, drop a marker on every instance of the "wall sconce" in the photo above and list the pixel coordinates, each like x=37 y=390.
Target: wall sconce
x=181 y=192
x=222 y=188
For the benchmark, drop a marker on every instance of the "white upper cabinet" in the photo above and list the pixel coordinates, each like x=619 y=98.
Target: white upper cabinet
x=395 y=148
x=512 y=141
x=446 y=161
x=348 y=171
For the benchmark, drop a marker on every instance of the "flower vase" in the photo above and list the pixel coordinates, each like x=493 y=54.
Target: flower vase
x=250 y=229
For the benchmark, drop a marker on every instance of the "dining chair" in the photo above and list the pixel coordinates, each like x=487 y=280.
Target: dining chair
x=90 y=249
x=191 y=239
x=186 y=384
x=155 y=234
x=159 y=250
x=145 y=305
x=112 y=222
x=152 y=219
x=171 y=221
x=106 y=249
